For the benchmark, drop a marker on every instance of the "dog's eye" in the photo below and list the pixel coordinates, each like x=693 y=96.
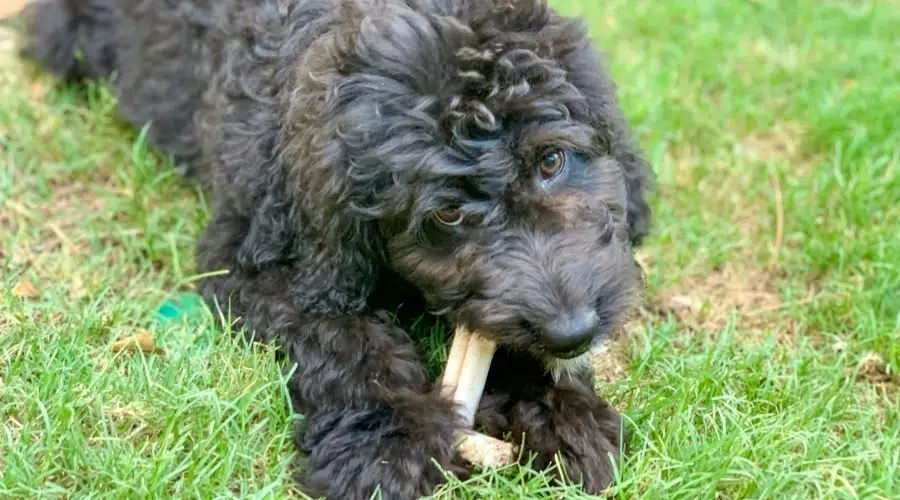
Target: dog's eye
x=450 y=215
x=552 y=164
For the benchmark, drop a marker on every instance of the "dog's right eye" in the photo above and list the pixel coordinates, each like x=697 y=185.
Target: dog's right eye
x=449 y=216
x=552 y=164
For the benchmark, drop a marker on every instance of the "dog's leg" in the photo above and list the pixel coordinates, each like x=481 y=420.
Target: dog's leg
x=371 y=420
x=553 y=420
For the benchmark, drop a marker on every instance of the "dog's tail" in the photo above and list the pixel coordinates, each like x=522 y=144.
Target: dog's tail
x=72 y=39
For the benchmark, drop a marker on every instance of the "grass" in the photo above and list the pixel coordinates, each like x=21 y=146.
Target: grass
x=763 y=364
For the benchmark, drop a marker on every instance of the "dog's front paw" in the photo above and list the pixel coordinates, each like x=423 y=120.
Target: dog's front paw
x=570 y=422
x=390 y=451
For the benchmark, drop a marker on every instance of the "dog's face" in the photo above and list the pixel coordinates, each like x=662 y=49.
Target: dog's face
x=476 y=143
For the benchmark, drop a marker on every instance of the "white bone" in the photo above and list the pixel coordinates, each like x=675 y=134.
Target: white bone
x=464 y=377
x=473 y=375
x=485 y=451
x=455 y=360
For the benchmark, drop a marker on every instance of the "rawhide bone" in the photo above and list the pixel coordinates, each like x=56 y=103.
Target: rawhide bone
x=464 y=377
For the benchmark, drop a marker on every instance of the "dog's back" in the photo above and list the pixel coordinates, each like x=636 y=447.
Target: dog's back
x=158 y=56
x=149 y=51
x=160 y=59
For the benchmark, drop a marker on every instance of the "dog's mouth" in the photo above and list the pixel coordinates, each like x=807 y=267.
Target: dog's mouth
x=572 y=353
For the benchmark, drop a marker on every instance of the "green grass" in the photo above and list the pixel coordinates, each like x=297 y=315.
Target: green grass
x=761 y=391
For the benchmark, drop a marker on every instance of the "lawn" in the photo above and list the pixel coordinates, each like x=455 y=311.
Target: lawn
x=764 y=363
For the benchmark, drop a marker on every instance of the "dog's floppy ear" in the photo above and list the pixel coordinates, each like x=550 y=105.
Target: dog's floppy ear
x=388 y=62
x=399 y=43
x=366 y=84
x=518 y=16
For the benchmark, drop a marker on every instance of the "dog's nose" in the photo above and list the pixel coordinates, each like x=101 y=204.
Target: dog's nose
x=571 y=332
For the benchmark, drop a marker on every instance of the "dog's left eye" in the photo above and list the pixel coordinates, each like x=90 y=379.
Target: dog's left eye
x=449 y=216
x=552 y=164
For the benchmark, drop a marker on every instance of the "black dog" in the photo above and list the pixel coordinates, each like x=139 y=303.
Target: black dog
x=460 y=157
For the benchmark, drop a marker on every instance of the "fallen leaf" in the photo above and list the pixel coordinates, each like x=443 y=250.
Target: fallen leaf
x=78 y=249
x=77 y=289
x=684 y=302
x=37 y=90
x=9 y=8
x=142 y=341
x=873 y=369
x=26 y=289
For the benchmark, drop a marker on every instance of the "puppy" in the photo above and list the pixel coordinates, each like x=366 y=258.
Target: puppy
x=465 y=158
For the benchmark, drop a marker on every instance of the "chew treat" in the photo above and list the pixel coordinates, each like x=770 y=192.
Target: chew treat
x=464 y=377
x=484 y=450
x=473 y=374
x=455 y=361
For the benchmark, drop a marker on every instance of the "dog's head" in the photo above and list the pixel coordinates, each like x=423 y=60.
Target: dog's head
x=483 y=143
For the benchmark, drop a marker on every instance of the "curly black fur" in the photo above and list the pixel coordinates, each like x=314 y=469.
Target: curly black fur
x=330 y=133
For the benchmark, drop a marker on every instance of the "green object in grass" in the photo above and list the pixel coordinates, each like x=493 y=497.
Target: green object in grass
x=183 y=327
x=188 y=305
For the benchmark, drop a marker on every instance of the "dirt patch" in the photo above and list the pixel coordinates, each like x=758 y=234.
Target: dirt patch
x=746 y=295
x=746 y=290
x=782 y=141
x=683 y=159
x=611 y=363
x=766 y=52
x=52 y=228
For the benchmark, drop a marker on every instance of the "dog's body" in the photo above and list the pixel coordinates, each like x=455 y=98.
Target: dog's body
x=466 y=157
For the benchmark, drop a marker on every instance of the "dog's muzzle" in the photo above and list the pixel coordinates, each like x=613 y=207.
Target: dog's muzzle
x=553 y=293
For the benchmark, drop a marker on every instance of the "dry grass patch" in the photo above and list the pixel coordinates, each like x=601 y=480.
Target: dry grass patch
x=612 y=362
x=873 y=369
x=782 y=56
x=781 y=142
x=746 y=288
x=746 y=295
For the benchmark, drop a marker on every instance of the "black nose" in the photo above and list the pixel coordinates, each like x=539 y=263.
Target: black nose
x=571 y=332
